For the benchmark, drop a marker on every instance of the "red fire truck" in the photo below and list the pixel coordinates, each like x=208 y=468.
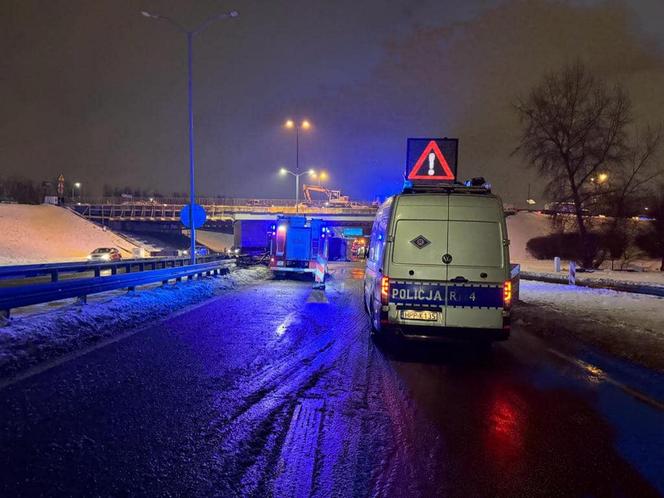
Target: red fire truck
x=298 y=244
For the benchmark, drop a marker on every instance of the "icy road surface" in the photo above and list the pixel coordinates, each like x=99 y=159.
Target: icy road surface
x=277 y=390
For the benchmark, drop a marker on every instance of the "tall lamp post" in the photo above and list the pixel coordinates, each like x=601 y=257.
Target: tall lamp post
x=304 y=125
x=284 y=172
x=190 y=35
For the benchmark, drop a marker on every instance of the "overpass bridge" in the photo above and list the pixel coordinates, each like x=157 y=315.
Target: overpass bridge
x=223 y=210
x=247 y=219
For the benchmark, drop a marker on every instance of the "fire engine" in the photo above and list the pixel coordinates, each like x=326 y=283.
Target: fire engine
x=297 y=244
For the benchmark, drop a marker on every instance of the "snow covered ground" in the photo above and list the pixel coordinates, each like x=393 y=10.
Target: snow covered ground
x=524 y=226
x=30 y=339
x=626 y=325
x=42 y=234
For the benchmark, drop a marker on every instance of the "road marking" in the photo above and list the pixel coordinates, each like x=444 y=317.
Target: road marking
x=601 y=375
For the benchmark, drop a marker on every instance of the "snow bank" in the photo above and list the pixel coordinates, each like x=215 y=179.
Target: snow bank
x=30 y=340
x=627 y=325
x=216 y=241
x=42 y=234
x=523 y=226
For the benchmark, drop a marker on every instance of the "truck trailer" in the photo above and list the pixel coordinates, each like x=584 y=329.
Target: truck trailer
x=298 y=244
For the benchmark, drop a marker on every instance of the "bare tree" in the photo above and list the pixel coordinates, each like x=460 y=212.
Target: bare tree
x=573 y=129
x=630 y=186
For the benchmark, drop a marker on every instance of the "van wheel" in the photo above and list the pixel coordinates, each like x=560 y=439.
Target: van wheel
x=375 y=319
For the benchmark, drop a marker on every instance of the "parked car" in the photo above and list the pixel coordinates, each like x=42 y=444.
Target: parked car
x=105 y=254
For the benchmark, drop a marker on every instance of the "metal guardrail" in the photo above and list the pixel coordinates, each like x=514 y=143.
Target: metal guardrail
x=55 y=270
x=29 y=294
x=636 y=288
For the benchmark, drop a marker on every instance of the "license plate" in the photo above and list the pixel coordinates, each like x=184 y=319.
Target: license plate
x=424 y=315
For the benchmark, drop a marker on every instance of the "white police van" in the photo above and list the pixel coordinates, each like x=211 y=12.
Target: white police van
x=439 y=266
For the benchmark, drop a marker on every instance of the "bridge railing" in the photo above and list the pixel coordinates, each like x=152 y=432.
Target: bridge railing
x=171 y=212
x=208 y=201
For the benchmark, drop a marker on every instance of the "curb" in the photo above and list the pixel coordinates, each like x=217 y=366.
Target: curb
x=650 y=290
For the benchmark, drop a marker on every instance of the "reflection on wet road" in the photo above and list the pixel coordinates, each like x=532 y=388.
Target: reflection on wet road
x=275 y=389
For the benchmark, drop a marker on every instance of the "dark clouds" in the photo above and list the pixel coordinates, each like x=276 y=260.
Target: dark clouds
x=97 y=91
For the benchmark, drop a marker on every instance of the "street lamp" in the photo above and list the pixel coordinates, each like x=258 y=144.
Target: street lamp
x=190 y=35
x=284 y=172
x=321 y=177
x=602 y=177
x=304 y=125
x=78 y=186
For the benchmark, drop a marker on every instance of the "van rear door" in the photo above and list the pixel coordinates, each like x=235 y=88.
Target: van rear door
x=477 y=270
x=418 y=242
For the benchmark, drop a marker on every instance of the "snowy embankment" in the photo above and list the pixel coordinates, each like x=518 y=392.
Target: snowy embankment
x=45 y=234
x=524 y=226
x=32 y=339
x=626 y=325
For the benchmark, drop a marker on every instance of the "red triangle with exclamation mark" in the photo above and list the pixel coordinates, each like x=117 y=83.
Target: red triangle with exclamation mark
x=423 y=164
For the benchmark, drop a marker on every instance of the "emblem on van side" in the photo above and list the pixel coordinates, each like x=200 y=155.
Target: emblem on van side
x=420 y=241
x=447 y=258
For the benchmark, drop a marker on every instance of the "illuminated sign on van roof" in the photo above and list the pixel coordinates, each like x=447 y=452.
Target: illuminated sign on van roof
x=432 y=159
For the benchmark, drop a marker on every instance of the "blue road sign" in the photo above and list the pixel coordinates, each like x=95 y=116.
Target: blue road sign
x=199 y=216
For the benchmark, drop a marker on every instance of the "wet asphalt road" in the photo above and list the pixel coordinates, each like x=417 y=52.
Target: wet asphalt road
x=274 y=389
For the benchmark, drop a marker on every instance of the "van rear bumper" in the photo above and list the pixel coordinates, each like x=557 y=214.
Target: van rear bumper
x=450 y=334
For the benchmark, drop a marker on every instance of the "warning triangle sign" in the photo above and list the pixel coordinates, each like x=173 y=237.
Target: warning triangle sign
x=431 y=165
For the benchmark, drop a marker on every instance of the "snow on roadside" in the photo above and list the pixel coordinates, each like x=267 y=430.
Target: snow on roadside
x=650 y=278
x=625 y=324
x=46 y=234
x=33 y=339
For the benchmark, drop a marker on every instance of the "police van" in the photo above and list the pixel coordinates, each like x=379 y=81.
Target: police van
x=438 y=265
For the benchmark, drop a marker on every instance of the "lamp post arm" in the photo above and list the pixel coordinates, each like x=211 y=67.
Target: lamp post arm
x=210 y=20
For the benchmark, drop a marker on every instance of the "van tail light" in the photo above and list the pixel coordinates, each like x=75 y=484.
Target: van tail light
x=384 y=289
x=507 y=294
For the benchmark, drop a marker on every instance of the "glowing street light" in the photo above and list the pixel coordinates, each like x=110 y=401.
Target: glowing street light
x=284 y=172
x=76 y=185
x=321 y=177
x=190 y=33
x=602 y=177
x=304 y=125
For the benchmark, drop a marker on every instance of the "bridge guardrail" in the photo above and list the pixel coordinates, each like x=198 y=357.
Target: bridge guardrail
x=171 y=212
x=26 y=295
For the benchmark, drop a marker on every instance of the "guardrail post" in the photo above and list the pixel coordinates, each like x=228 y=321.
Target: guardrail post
x=97 y=272
x=54 y=276
x=164 y=283
x=114 y=270
x=131 y=290
x=571 y=277
x=556 y=264
x=128 y=268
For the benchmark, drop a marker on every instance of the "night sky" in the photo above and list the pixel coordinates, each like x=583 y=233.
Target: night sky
x=96 y=91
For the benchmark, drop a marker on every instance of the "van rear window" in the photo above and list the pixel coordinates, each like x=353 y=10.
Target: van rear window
x=420 y=242
x=475 y=243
